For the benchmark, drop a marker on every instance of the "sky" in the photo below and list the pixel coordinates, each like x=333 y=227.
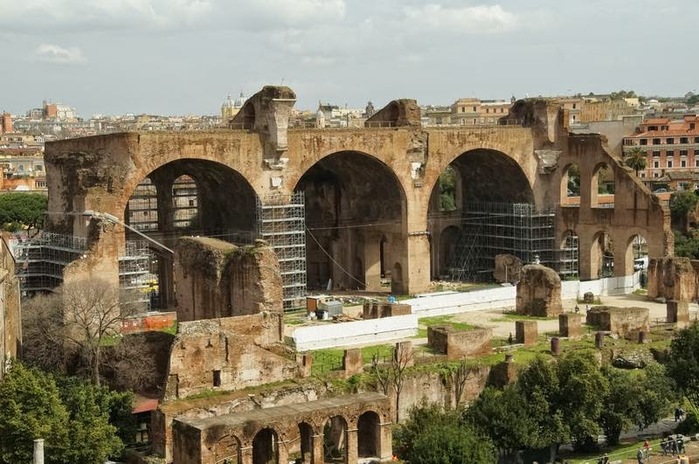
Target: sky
x=181 y=57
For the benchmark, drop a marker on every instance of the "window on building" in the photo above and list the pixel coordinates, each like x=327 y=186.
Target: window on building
x=644 y=141
x=656 y=164
x=656 y=153
x=696 y=163
x=683 y=152
x=643 y=174
x=474 y=109
x=670 y=153
x=656 y=141
x=217 y=378
x=669 y=163
x=696 y=139
x=684 y=140
x=683 y=163
x=670 y=140
x=574 y=105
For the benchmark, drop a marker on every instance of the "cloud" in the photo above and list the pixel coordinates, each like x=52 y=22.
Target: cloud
x=55 y=54
x=469 y=19
x=81 y=16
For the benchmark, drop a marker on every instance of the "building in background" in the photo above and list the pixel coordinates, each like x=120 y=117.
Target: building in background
x=671 y=147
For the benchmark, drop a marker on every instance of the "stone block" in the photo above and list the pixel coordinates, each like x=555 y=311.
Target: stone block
x=352 y=362
x=621 y=321
x=526 y=332
x=403 y=354
x=381 y=310
x=678 y=313
x=458 y=344
x=556 y=346
x=305 y=365
x=570 y=325
x=539 y=292
x=672 y=278
x=503 y=373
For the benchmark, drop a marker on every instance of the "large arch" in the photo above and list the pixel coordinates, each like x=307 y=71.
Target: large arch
x=185 y=197
x=353 y=201
x=489 y=184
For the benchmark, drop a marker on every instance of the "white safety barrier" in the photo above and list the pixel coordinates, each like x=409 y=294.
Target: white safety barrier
x=342 y=334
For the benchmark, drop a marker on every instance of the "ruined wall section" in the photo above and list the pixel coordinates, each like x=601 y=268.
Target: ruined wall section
x=218 y=279
x=10 y=315
x=228 y=354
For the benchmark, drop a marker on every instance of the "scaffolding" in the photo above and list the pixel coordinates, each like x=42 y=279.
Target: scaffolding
x=42 y=259
x=568 y=258
x=281 y=221
x=138 y=286
x=489 y=229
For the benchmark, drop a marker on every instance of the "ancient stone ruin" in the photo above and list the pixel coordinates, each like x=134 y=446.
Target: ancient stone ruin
x=508 y=268
x=459 y=344
x=625 y=322
x=539 y=292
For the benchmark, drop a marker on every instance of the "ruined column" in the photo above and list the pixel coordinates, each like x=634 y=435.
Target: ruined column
x=556 y=346
x=569 y=325
x=352 y=448
x=678 y=312
x=599 y=340
x=526 y=332
x=318 y=453
x=352 y=362
x=38 y=451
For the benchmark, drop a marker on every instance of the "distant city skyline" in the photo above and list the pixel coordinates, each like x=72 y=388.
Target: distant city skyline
x=181 y=57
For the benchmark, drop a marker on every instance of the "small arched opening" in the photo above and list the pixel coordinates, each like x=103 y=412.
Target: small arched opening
x=570 y=186
x=448 y=240
x=306 y=442
x=602 y=186
x=335 y=440
x=601 y=256
x=265 y=447
x=369 y=435
x=227 y=450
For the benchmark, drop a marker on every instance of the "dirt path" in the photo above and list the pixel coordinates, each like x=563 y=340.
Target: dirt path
x=503 y=325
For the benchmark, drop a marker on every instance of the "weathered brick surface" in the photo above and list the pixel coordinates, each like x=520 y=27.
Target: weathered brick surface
x=539 y=292
x=570 y=325
x=621 y=321
x=459 y=344
x=526 y=332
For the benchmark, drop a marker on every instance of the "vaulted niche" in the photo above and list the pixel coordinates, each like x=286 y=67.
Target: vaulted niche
x=354 y=215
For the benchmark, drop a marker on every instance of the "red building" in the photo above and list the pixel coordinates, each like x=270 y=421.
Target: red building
x=671 y=147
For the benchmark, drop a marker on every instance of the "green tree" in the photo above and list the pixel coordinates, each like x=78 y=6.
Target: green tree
x=447 y=190
x=445 y=444
x=636 y=159
x=686 y=246
x=28 y=209
x=31 y=408
x=683 y=363
x=432 y=435
x=580 y=397
x=89 y=407
x=511 y=421
x=681 y=204
x=572 y=389
x=78 y=421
